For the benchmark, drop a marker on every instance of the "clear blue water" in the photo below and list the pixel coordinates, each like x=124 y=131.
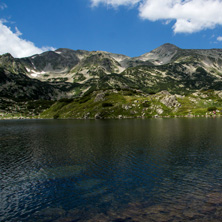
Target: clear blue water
x=112 y=170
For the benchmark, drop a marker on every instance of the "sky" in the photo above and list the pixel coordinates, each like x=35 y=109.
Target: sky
x=129 y=27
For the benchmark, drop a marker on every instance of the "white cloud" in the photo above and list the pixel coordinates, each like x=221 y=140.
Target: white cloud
x=219 y=38
x=189 y=15
x=114 y=3
x=12 y=43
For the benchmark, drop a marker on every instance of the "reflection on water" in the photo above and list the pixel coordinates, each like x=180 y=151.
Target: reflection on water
x=113 y=170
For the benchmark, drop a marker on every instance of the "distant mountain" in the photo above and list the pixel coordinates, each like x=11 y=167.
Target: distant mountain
x=66 y=73
x=161 y=55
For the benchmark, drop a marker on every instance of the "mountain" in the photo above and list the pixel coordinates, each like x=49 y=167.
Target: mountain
x=161 y=55
x=70 y=74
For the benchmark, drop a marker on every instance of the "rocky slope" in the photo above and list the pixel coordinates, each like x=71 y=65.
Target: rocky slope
x=66 y=73
x=119 y=104
x=163 y=65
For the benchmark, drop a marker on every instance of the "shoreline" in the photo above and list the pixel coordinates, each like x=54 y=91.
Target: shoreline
x=117 y=118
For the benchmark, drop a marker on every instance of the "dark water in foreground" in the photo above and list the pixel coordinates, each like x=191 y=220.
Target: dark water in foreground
x=113 y=170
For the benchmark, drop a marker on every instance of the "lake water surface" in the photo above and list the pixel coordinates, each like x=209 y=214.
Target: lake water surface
x=111 y=170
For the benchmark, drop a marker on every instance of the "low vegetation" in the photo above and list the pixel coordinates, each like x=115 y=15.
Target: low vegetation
x=125 y=103
x=136 y=104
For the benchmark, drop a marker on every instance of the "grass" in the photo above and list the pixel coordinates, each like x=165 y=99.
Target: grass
x=125 y=103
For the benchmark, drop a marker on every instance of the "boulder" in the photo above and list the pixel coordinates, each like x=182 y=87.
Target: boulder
x=99 y=97
x=170 y=101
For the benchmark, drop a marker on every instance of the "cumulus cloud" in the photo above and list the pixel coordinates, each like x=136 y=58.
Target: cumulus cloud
x=189 y=16
x=12 y=42
x=219 y=38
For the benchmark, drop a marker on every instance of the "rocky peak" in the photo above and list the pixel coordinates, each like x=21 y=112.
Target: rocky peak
x=101 y=60
x=6 y=58
x=160 y=55
x=11 y=64
x=167 y=46
x=63 y=50
x=73 y=54
x=52 y=61
x=7 y=55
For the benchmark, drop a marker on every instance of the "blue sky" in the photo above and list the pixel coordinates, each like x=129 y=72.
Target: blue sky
x=130 y=27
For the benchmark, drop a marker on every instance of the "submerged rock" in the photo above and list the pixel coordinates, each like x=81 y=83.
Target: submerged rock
x=49 y=214
x=65 y=219
x=214 y=198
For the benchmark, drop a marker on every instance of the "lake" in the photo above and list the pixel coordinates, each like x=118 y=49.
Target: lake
x=111 y=170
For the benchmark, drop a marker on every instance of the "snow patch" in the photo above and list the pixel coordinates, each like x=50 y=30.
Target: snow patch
x=33 y=65
x=35 y=74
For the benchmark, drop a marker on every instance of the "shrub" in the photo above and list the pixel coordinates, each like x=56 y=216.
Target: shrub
x=146 y=104
x=213 y=108
x=129 y=93
x=66 y=100
x=107 y=104
x=152 y=92
x=84 y=99
x=56 y=116
x=31 y=106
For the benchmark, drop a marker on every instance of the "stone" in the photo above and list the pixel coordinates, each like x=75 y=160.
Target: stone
x=86 y=116
x=170 y=101
x=98 y=116
x=126 y=107
x=220 y=94
x=99 y=97
x=207 y=209
x=190 y=213
x=159 y=111
x=99 y=218
x=65 y=219
x=214 y=198
x=50 y=214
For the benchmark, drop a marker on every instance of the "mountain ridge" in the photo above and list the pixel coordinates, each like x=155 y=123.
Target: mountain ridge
x=67 y=66
x=67 y=74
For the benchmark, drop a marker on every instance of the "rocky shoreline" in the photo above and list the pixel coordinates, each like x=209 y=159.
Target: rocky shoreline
x=188 y=208
x=120 y=117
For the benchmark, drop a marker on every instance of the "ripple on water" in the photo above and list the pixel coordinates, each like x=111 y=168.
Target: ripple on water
x=147 y=170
